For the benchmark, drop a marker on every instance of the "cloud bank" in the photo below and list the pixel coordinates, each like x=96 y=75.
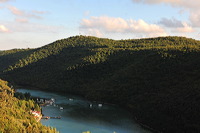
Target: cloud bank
x=176 y=25
x=192 y=6
x=105 y=25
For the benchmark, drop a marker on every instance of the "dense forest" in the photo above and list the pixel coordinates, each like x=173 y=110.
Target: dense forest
x=157 y=79
x=15 y=114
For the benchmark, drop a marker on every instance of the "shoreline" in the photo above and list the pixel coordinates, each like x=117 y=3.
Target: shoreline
x=39 y=118
x=127 y=109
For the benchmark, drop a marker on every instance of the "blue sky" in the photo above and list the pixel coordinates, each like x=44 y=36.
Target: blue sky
x=34 y=23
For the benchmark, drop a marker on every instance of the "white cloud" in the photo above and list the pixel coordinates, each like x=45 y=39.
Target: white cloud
x=20 y=13
x=105 y=23
x=176 y=25
x=195 y=18
x=142 y=27
x=185 y=29
x=2 y=1
x=22 y=20
x=109 y=25
x=23 y=24
x=191 y=6
x=3 y=29
x=171 y=23
x=16 y=11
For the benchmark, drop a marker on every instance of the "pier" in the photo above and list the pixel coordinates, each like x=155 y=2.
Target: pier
x=51 y=117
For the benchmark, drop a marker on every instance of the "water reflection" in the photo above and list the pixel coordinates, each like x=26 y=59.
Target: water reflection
x=79 y=115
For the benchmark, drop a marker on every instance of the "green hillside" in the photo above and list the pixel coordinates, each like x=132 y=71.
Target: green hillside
x=15 y=114
x=157 y=79
x=12 y=56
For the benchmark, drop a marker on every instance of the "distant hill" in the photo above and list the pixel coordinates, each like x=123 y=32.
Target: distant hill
x=157 y=79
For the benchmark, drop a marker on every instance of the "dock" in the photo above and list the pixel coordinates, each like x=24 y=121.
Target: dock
x=51 y=117
x=56 y=117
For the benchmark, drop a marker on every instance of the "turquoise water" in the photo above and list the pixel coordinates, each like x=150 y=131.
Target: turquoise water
x=79 y=115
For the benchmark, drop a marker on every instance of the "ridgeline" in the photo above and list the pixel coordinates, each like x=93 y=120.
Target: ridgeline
x=157 y=79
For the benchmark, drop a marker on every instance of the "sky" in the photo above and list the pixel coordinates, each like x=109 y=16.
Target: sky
x=34 y=23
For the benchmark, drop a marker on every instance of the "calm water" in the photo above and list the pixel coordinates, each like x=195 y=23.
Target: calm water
x=79 y=115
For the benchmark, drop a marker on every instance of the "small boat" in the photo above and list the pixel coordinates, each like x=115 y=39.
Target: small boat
x=45 y=117
x=56 y=117
x=100 y=105
x=70 y=99
x=61 y=108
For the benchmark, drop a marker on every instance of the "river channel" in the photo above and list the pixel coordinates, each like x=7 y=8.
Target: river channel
x=80 y=115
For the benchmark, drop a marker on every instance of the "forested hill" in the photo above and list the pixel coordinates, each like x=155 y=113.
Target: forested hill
x=15 y=114
x=157 y=79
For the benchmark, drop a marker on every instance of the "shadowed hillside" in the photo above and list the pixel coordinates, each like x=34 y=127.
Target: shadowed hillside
x=157 y=79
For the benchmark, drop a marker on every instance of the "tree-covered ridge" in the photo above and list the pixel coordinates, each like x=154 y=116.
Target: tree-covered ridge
x=15 y=114
x=157 y=79
x=57 y=47
x=101 y=46
x=10 y=57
